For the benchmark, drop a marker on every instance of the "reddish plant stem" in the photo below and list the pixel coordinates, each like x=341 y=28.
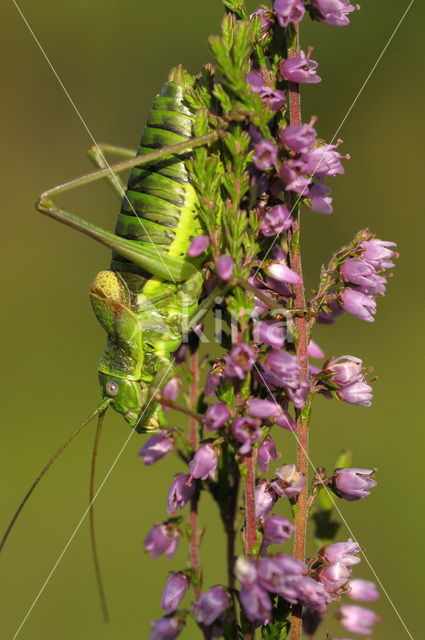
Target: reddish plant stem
x=231 y=527
x=250 y=520
x=194 y=557
x=302 y=346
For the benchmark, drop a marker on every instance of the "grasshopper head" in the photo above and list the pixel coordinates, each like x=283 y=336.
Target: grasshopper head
x=126 y=394
x=130 y=398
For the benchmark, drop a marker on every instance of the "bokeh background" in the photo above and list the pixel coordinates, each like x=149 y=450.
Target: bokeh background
x=113 y=56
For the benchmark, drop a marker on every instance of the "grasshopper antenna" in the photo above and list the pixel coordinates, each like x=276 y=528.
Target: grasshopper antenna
x=100 y=588
x=101 y=408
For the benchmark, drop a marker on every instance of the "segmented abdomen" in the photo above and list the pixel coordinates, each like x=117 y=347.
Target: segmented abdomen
x=159 y=206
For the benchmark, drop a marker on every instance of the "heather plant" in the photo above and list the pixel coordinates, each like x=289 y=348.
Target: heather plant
x=254 y=185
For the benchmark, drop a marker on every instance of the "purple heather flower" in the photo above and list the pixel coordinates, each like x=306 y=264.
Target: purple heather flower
x=359 y=393
x=277 y=529
x=275 y=221
x=283 y=365
x=314 y=351
x=359 y=272
x=224 y=266
x=292 y=173
x=179 y=493
x=357 y=619
x=312 y=594
x=377 y=288
x=299 y=137
x=174 y=591
x=256 y=80
x=289 y=483
x=256 y=603
x=358 y=304
x=266 y=452
x=323 y=161
x=247 y=431
x=288 y=11
x=240 y=361
x=300 y=70
x=285 y=421
x=269 y=332
x=265 y=154
x=334 y=12
x=265 y=498
x=273 y=97
x=354 y=484
x=298 y=392
x=156 y=447
x=162 y=538
x=281 y=574
x=171 y=389
x=320 y=202
x=345 y=370
x=341 y=552
x=167 y=628
x=377 y=253
x=211 y=605
x=266 y=22
x=334 y=576
x=216 y=416
x=280 y=271
x=204 y=462
x=262 y=408
x=363 y=590
x=198 y=246
x=211 y=384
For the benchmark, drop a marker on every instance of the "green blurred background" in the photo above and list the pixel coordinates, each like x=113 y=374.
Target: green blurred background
x=113 y=56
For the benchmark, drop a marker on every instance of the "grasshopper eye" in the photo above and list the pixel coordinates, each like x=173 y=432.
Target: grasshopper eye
x=111 y=388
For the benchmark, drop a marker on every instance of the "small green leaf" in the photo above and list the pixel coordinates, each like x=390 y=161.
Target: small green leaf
x=344 y=459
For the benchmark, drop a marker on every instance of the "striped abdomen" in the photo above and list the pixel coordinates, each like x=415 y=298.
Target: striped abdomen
x=159 y=206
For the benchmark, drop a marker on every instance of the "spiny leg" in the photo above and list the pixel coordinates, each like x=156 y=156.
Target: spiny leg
x=147 y=256
x=92 y=530
x=97 y=153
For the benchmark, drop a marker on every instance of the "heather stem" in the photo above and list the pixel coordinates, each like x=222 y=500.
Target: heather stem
x=194 y=559
x=250 y=520
x=302 y=345
x=231 y=527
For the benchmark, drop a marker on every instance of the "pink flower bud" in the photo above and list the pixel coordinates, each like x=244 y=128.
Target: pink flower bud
x=211 y=605
x=363 y=590
x=281 y=272
x=156 y=447
x=354 y=484
x=266 y=452
x=334 y=576
x=289 y=483
x=204 y=462
x=224 y=266
x=198 y=246
x=174 y=591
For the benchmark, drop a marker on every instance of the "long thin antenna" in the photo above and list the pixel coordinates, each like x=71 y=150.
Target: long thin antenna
x=92 y=531
x=99 y=409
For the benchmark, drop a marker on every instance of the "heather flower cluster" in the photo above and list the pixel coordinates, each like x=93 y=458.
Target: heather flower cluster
x=267 y=169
